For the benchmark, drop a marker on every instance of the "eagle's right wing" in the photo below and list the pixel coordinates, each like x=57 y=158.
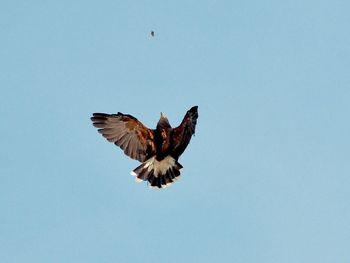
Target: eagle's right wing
x=128 y=133
x=182 y=134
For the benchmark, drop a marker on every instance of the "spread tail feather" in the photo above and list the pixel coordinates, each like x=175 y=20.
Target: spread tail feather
x=158 y=173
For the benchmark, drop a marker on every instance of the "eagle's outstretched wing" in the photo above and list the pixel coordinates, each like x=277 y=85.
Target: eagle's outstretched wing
x=183 y=133
x=128 y=133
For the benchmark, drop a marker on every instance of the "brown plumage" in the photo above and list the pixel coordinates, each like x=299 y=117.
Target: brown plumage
x=158 y=149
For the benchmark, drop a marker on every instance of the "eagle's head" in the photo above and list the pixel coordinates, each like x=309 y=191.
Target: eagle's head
x=163 y=121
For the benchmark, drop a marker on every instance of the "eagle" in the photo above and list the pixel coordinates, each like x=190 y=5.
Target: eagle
x=157 y=149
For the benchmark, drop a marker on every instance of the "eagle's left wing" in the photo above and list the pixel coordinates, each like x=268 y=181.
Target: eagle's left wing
x=128 y=133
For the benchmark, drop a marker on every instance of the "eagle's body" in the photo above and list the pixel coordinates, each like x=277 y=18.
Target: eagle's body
x=158 y=149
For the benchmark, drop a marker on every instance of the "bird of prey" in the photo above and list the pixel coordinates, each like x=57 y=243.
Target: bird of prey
x=158 y=149
x=152 y=33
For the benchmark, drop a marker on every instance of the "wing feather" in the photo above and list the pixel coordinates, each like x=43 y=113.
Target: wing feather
x=183 y=133
x=125 y=131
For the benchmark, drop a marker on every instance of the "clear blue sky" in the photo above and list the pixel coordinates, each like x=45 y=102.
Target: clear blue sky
x=267 y=177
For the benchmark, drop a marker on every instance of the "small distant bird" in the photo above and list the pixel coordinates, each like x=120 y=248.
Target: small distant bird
x=152 y=33
x=158 y=149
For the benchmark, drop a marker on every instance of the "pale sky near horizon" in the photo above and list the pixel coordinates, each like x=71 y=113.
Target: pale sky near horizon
x=265 y=179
